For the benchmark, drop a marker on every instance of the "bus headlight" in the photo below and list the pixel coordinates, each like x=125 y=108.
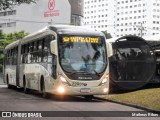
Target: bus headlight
x=104 y=81
x=61 y=89
x=105 y=90
x=64 y=81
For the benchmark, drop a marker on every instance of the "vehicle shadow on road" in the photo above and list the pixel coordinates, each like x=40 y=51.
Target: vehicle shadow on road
x=57 y=98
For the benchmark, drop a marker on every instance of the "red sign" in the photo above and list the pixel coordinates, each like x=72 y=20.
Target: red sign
x=51 y=4
x=51 y=12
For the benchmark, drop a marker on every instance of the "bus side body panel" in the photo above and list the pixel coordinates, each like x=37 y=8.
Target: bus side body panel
x=33 y=74
x=10 y=73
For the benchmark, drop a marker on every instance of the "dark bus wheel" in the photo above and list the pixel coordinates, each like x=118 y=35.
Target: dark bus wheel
x=8 y=85
x=25 y=89
x=44 y=93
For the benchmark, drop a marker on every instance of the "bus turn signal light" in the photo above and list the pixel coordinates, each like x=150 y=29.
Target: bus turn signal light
x=104 y=81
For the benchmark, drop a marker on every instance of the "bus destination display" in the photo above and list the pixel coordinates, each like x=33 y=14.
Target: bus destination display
x=81 y=39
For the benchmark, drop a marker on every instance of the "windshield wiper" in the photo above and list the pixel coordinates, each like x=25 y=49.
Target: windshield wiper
x=85 y=72
x=96 y=73
x=78 y=72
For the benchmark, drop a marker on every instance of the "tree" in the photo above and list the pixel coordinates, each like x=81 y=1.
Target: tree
x=107 y=35
x=6 y=39
x=4 y=4
x=15 y=36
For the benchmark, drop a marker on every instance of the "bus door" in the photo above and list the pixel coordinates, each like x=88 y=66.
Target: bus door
x=133 y=63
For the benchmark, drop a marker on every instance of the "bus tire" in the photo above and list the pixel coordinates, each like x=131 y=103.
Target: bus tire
x=25 y=89
x=88 y=97
x=43 y=88
x=8 y=85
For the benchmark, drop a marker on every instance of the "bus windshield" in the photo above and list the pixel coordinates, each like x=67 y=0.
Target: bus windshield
x=82 y=54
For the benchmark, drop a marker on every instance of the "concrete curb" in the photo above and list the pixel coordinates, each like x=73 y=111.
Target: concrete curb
x=130 y=105
x=3 y=85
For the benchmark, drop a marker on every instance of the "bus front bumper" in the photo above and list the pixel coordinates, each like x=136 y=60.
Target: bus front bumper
x=70 y=90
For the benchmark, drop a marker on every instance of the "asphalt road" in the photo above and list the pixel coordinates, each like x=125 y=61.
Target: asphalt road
x=16 y=100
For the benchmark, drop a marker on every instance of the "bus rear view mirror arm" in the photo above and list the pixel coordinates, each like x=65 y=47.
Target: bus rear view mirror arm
x=109 y=49
x=54 y=47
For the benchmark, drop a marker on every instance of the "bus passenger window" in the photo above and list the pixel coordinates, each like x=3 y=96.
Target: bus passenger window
x=40 y=45
x=39 y=56
x=37 y=45
x=15 y=56
x=12 y=56
x=26 y=58
x=50 y=59
x=46 y=43
x=34 y=57
x=22 y=59
x=22 y=53
x=44 y=56
x=23 y=49
x=29 y=57
x=32 y=47
x=26 y=48
x=43 y=44
x=7 y=58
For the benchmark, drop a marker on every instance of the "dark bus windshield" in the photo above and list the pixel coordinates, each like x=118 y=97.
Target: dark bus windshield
x=82 y=54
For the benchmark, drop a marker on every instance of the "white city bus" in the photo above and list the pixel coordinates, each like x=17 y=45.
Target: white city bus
x=59 y=59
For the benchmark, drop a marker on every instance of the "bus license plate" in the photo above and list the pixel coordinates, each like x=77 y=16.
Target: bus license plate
x=85 y=90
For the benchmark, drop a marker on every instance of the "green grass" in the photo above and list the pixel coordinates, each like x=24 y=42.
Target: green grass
x=149 y=98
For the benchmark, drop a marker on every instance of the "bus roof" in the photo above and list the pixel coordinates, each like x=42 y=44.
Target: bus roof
x=75 y=30
x=12 y=45
x=59 y=29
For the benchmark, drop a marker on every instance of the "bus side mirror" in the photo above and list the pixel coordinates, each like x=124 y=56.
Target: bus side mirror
x=53 y=46
x=109 y=49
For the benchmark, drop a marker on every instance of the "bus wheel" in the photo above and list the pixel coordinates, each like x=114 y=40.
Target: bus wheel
x=88 y=97
x=25 y=89
x=8 y=85
x=43 y=89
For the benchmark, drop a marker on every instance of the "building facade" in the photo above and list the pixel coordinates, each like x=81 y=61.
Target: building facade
x=76 y=11
x=100 y=15
x=33 y=17
x=137 y=17
x=129 y=17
